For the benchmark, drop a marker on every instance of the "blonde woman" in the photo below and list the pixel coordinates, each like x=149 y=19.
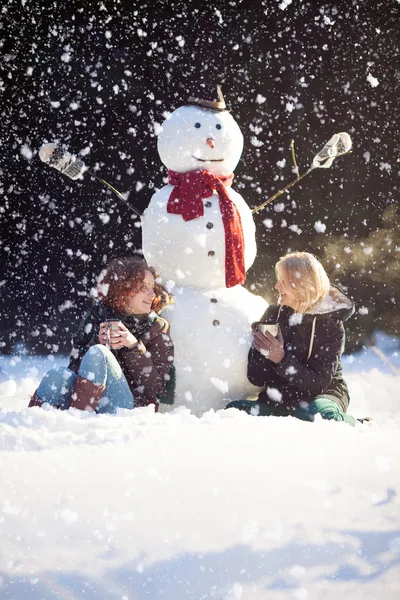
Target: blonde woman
x=300 y=366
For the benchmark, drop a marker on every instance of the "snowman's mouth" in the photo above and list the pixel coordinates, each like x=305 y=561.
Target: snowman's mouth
x=208 y=159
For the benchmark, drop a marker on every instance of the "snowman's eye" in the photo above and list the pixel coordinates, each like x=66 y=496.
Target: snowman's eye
x=197 y=125
x=218 y=126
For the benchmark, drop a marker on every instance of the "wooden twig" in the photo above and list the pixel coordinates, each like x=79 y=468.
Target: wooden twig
x=282 y=191
x=289 y=185
x=295 y=167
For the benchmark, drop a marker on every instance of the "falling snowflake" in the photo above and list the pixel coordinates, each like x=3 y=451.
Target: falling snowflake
x=319 y=227
x=372 y=80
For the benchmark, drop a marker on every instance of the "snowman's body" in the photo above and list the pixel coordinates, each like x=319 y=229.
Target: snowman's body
x=210 y=323
x=192 y=252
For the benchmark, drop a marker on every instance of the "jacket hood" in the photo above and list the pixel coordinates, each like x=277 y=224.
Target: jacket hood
x=336 y=304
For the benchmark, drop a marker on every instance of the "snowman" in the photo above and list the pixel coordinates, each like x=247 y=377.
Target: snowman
x=198 y=232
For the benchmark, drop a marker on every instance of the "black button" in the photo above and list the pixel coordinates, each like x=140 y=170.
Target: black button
x=209 y=225
x=211 y=253
x=216 y=322
x=213 y=300
x=208 y=204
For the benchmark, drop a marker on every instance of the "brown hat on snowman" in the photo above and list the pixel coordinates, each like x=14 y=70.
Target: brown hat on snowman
x=206 y=95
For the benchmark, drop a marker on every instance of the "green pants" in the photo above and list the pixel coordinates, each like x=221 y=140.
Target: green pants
x=327 y=408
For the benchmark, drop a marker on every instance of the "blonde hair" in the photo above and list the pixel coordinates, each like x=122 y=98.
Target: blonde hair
x=306 y=277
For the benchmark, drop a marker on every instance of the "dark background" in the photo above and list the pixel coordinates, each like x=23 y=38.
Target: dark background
x=97 y=76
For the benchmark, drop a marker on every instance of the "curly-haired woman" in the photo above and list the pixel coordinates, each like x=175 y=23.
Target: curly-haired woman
x=122 y=353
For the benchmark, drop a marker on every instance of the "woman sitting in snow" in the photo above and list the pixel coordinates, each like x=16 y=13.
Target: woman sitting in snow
x=300 y=367
x=122 y=354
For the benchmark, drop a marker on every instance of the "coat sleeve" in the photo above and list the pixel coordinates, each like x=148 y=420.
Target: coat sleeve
x=259 y=368
x=147 y=366
x=315 y=375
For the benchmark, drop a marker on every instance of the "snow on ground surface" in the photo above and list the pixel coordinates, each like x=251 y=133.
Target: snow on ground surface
x=174 y=507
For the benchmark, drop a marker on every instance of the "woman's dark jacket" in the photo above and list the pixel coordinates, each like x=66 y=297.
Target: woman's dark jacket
x=147 y=366
x=311 y=367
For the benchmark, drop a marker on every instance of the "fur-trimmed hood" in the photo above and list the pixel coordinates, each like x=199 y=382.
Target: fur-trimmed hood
x=336 y=304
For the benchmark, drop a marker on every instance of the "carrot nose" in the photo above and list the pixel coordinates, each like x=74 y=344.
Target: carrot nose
x=211 y=142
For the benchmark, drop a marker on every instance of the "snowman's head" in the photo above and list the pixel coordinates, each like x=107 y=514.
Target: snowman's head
x=194 y=138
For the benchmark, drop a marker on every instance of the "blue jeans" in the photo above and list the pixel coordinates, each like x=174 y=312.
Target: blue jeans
x=98 y=365
x=327 y=408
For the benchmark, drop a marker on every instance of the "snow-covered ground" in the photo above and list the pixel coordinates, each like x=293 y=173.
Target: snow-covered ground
x=227 y=506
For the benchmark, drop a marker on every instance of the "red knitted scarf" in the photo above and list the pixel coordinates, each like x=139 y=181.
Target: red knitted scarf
x=186 y=199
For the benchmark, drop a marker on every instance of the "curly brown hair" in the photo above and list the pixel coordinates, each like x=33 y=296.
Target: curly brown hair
x=124 y=276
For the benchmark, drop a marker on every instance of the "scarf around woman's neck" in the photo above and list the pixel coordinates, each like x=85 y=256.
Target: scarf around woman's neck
x=186 y=199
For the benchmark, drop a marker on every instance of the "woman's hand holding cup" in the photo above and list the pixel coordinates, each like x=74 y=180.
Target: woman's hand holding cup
x=269 y=344
x=115 y=335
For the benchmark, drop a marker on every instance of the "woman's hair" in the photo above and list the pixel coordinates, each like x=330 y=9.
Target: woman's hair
x=306 y=276
x=124 y=276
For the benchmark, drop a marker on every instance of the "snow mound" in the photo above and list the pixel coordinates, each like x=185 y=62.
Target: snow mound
x=226 y=506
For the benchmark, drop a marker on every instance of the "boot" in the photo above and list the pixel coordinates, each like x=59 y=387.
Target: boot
x=86 y=395
x=35 y=401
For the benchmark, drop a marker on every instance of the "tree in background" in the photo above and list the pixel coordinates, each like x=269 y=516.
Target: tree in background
x=370 y=267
